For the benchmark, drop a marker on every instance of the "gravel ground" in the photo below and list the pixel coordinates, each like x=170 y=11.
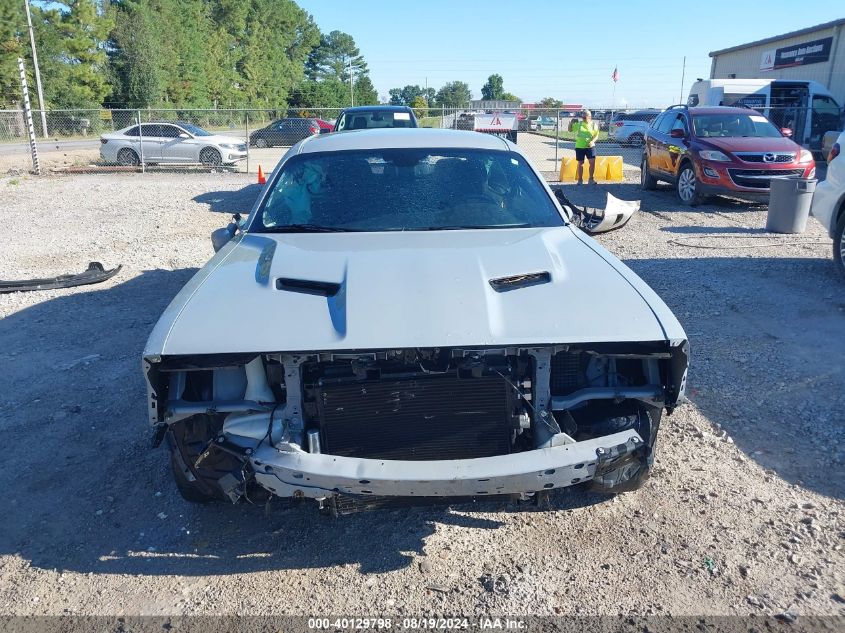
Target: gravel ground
x=744 y=513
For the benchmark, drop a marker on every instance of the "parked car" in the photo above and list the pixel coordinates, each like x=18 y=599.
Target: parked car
x=405 y=291
x=170 y=142
x=544 y=123
x=719 y=150
x=368 y=117
x=829 y=201
x=287 y=132
x=628 y=128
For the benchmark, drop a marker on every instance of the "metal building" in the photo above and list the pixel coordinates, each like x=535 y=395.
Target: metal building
x=816 y=54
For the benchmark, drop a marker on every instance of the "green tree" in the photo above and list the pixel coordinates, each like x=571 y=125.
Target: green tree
x=71 y=51
x=138 y=78
x=12 y=19
x=420 y=106
x=329 y=93
x=494 y=89
x=508 y=96
x=455 y=94
x=408 y=94
x=334 y=57
x=365 y=92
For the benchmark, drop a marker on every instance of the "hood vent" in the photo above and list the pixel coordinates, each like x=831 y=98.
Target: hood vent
x=308 y=287
x=503 y=284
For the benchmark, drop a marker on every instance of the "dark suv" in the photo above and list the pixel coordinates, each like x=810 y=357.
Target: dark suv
x=378 y=116
x=719 y=150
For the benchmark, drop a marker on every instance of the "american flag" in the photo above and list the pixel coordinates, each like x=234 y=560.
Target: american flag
x=615 y=75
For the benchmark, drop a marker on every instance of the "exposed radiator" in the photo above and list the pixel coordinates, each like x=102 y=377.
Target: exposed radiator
x=438 y=417
x=565 y=370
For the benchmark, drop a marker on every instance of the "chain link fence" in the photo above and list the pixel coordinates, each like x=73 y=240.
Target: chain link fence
x=203 y=140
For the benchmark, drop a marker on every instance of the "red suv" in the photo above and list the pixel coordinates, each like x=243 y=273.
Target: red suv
x=719 y=150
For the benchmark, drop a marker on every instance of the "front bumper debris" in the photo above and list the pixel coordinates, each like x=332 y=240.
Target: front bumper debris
x=296 y=473
x=94 y=274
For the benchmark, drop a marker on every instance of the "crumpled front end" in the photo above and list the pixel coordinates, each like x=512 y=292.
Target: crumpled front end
x=415 y=423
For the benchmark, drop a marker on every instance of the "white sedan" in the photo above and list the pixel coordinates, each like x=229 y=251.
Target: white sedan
x=829 y=201
x=170 y=142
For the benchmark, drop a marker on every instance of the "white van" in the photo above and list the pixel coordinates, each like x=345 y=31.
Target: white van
x=805 y=107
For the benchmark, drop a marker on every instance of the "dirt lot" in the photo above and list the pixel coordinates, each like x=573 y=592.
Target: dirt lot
x=744 y=513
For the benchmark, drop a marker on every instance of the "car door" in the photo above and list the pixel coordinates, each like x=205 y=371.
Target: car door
x=676 y=148
x=662 y=142
x=285 y=133
x=652 y=143
x=151 y=141
x=174 y=148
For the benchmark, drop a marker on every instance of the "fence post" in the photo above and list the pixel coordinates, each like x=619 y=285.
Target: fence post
x=557 y=137
x=27 y=109
x=140 y=141
x=442 y=116
x=246 y=133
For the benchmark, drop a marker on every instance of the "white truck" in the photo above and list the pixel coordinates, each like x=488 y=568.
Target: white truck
x=805 y=107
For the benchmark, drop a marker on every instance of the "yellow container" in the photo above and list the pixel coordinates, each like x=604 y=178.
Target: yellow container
x=601 y=168
x=614 y=168
x=567 y=169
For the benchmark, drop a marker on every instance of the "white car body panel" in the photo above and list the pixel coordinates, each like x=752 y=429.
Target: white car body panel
x=413 y=289
x=830 y=193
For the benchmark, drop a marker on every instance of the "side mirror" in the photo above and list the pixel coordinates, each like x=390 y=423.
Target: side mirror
x=184 y=135
x=786 y=131
x=677 y=134
x=221 y=237
x=324 y=130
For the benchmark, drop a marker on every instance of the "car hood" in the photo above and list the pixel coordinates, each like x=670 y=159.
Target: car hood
x=410 y=289
x=743 y=144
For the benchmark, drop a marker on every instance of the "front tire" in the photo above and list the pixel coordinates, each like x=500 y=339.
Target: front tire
x=192 y=491
x=210 y=157
x=261 y=143
x=647 y=181
x=687 y=186
x=635 y=140
x=839 y=245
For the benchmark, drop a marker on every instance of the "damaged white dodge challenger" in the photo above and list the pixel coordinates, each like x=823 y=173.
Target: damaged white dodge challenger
x=410 y=314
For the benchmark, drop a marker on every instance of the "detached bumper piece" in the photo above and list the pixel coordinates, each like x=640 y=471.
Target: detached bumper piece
x=613 y=458
x=94 y=274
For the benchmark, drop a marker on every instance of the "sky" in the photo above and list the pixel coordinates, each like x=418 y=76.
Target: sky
x=560 y=49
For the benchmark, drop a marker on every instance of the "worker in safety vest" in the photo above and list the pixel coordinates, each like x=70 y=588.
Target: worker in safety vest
x=586 y=133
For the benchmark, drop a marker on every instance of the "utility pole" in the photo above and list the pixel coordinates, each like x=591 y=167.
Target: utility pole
x=351 y=83
x=27 y=111
x=37 y=73
x=683 y=72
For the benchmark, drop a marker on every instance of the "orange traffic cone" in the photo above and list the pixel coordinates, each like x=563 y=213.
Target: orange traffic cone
x=261 y=179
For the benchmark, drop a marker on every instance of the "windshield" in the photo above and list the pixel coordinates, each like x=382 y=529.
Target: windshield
x=193 y=129
x=733 y=125
x=365 y=120
x=406 y=190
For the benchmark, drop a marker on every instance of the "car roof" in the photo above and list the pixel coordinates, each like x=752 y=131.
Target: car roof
x=722 y=110
x=402 y=138
x=383 y=108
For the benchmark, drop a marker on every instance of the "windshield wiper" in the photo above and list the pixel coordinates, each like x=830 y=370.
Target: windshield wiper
x=306 y=228
x=458 y=227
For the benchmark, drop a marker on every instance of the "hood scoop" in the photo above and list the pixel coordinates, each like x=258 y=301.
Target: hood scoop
x=308 y=286
x=503 y=284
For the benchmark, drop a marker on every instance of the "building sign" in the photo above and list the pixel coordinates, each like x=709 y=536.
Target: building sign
x=797 y=54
